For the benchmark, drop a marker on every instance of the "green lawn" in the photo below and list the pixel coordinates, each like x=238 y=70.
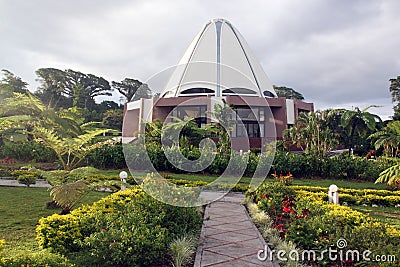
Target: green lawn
x=20 y=210
x=387 y=215
x=309 y=182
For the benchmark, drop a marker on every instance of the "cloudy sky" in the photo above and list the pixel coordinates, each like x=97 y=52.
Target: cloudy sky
x=337 y=53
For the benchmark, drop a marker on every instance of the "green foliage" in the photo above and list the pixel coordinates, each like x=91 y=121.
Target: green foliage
x=36 y=259
x=182 y=250
x=68 y=195
x=132 y=89
x=32 y=172
x=27 y=179
x=70 y=150
x=391 y=176
x=313 y=224
x=82 y=173
x=311 y=133
x=11 y=83
x=395 y=92
x=342 y=167
x=27 y=151
x=113 y=119
x=388 y=138
x=128 y=228
x=288 y=93
x=4 y=173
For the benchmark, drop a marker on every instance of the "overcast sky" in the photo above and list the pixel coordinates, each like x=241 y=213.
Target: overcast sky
x=336 y=53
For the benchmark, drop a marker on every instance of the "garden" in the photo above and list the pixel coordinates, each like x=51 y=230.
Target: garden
x=86 y=219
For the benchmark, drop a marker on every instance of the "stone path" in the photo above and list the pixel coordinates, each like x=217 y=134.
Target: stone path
x=228 y=236
x=14 y=182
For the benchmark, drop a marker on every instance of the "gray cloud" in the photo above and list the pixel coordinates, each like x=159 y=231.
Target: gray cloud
x=337 y=53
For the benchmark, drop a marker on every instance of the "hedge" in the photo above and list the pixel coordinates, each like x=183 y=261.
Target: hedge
x=127 y=228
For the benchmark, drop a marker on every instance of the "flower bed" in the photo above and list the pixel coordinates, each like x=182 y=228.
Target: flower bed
x=384 y=198
x=303 y=218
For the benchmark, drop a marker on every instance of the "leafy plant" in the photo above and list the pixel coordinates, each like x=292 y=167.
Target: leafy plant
x=27 y=179
x=182 y=250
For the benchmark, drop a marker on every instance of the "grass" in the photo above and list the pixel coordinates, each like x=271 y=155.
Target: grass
x=304 y=182
x=384 y=214
x=20 y=210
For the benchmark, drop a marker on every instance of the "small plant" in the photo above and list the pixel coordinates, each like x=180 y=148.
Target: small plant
x=182 y=250
x=285 y=179
x=27 y=179
x=4 y=173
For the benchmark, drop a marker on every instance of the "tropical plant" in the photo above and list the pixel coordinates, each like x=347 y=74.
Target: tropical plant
x=68 y=195
x=357 y=121
x=10 y=84
x=182 y=250
x=70 y=150
x=287 y=92
x=391 y=176
x=395 y=92
x=388 y=138
x=311 y=133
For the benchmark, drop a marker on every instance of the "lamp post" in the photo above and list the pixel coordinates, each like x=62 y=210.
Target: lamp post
x=333 y=194
x=123 y=175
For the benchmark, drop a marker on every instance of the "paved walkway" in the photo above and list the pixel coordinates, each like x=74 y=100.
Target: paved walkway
x=14 y=182
x=228 y=236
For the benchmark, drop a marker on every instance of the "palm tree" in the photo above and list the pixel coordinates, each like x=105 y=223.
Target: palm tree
x=311 y=133
x=357 y=121
x=389 y=138
x=391 y=176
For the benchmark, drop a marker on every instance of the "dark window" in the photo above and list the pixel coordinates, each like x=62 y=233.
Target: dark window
x=197 y=91
x=238 y=91
x=252 y=120
x=196 y=112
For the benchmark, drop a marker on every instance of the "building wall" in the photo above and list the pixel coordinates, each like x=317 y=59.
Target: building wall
x=276 y=116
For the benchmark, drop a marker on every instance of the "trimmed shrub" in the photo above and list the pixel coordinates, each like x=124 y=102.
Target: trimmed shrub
x=107 y=157
x=28 y=151
x=5 y=173
x=36 y=259
x=128 y=228
x=27 y=179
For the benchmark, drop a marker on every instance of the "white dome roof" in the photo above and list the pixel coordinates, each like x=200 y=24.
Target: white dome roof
x=218 y=62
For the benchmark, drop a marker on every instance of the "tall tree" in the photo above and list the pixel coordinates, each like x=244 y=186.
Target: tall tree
x=287 y=92
x=357 y=121
x=388 y=138
x=395 y=91
x=52 y=90
x=83 y=88
x=11 y=83
x=132 y=89
x=311 y=133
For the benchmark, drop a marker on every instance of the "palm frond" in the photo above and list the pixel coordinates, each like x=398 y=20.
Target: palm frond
x=68 y=195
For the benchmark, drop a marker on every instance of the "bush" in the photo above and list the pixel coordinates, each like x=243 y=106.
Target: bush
x=27 y=179
x=4 y=173
x=36 y=259
x=128 y=228
x=32 y=172
x=28 y=151
x=107 y=157
x=342 y=167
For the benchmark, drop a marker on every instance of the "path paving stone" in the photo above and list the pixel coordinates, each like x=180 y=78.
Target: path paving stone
x=14 y=183
x=228 y=236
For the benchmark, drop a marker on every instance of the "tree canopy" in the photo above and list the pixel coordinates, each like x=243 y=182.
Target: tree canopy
x=10 y=84
x=287 y=92
x=395 y=91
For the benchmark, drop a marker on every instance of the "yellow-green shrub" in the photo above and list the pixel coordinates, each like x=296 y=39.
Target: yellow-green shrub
x=128 y=228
